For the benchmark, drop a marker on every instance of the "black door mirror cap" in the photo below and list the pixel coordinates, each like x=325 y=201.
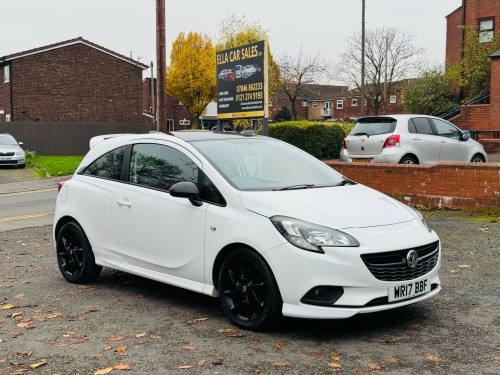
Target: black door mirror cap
x=186 y=190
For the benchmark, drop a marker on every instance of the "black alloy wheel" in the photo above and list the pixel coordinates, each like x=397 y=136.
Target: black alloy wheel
x=247 y=290
x=74 y=255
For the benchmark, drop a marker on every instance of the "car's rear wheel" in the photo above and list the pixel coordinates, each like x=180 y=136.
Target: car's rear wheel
x=408 y=160
x=248 y=292
x=478 y=158
x=74 y=255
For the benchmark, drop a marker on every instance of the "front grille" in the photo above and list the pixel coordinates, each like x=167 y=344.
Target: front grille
x=6 y=154
x=5 y=162
x=391 y=266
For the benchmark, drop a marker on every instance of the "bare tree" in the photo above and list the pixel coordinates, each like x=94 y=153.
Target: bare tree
x=403 y=59
x=299 y=71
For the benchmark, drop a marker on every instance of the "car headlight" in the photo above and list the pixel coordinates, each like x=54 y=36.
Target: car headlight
x=311 y=237
x=19 y=153
x=424 y=220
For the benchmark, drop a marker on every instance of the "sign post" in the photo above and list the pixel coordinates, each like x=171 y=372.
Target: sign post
x=242 y=83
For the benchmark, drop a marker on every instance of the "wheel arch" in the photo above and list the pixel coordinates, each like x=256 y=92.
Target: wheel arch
x=222 y=255
x=61 y=222
x=412 y=155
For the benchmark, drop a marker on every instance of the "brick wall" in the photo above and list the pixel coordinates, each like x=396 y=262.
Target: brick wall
x=444 y=185
x=76 y=83
x=476 y=9
x=495 y=93
x=453 y=36
x=473 y=117
x=279 y=102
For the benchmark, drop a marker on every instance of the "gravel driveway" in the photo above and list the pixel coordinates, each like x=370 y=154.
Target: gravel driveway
x=123 y=321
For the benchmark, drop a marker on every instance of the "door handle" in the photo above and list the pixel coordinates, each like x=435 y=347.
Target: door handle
x=444 y=141
x=124 y=203
x=417 y=139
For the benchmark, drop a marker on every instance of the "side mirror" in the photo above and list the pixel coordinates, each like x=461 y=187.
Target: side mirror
x=464 y=136
x=186 y=190
x=20 y=143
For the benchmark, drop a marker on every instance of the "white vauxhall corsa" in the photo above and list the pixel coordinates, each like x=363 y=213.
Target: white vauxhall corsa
x=409 y=139
x=264 y=226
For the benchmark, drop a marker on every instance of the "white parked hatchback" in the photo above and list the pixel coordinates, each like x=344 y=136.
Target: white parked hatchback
x=264 y=226
x=409 y=139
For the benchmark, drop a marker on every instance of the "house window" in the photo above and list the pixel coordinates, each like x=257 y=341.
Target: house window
x=486 y=29
x=354 y=102
x=392 y=99
x=6 y=74
x=315 y=105
x=340 y=104
x=304 y=104
x=7 y=117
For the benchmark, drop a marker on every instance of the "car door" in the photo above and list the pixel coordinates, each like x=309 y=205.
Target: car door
x=452 y=148
x=154 y=230
x=427 y=146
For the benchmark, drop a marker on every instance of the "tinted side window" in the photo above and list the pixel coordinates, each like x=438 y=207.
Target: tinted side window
x=107 y=166
x=422 y=125
x=411 y=126
x=160 y=167
x=445 y=129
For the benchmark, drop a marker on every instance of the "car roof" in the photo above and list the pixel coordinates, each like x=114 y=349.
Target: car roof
x=189 y=136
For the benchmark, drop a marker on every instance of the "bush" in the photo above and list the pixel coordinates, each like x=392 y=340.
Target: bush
x=320 y=139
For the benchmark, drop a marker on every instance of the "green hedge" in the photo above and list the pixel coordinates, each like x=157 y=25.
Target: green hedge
x=321 y=139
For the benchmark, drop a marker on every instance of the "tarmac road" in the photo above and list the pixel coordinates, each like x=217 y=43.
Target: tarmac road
x=156 y=329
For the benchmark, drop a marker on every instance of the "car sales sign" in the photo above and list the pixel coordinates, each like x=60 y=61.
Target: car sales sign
x=242 y=82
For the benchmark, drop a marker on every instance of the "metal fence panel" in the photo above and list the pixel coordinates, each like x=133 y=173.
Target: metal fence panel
x=60 y=138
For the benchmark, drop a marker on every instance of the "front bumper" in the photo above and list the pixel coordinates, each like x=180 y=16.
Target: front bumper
x=298 y=271
x=12 y=160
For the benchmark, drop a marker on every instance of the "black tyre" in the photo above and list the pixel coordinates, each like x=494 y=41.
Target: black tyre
x=408 y=160
x=478 y=158
x=74 y=255
x=22 y=166
x=247 y=290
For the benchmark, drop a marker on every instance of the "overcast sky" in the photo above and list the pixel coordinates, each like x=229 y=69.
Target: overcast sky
x=128 y=26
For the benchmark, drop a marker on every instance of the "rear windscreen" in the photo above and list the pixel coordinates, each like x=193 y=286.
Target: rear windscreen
x=374 y=126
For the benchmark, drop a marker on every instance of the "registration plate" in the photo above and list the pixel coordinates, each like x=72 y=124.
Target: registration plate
x=5 y=158
x=362 y=160
x=409 y=290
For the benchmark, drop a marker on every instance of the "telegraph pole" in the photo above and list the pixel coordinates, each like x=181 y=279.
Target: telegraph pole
x=161 y=66
x=385 y=79
x=363 y=59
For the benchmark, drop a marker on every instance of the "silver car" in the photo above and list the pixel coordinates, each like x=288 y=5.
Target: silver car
x=409 y=139
x=11 y=152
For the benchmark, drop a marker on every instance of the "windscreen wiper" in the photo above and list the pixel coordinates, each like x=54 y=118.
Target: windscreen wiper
x=346 y=181
x=296 y=187
x=368 y=135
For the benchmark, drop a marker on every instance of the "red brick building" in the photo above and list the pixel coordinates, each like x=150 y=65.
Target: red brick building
x=485 y=15
x=324 y=102
x=71 y=81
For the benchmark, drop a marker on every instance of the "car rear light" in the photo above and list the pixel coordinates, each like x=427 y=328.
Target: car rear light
x=60 y=185
x=392 y=141
x=343 y=144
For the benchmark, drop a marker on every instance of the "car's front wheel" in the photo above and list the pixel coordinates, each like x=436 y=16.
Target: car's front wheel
x=478 y=158
x=248 y=292
x=74 y=255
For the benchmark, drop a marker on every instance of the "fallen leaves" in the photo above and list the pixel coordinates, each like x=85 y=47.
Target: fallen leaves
x=278 y=345
x=432 y=358
x=141 y=335
x=280 y=363
x=6 y=307
x=104 y=371
x=484 y=230
x=122 y=366
x=189 y=347
x=196 y=320
x=115 y=338
x=414 y=326
x=36 y=365
x=120 y=348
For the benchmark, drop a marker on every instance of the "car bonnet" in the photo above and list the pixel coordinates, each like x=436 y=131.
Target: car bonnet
x=349 y=206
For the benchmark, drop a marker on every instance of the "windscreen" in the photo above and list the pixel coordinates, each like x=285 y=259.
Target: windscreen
x=374 y=126
x=7 y=140
x=265 y=164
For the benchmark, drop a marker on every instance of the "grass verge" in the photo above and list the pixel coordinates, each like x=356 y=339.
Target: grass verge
x=51 y=166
